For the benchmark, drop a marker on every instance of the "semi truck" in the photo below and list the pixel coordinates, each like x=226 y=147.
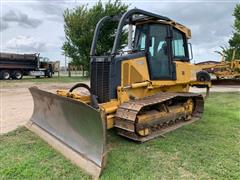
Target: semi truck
x=15 y=66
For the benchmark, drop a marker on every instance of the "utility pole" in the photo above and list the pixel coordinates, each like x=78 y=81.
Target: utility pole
x=65 y=68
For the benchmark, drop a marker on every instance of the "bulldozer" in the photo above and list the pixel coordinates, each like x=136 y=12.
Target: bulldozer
x=141 y=92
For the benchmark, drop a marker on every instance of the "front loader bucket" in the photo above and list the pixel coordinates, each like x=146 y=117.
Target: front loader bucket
x=74 y=128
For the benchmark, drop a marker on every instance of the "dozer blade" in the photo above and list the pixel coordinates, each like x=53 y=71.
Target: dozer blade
x=72 y=127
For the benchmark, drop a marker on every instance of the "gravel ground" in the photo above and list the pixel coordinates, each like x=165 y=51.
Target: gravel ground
x=219 y=88
x=16 y=105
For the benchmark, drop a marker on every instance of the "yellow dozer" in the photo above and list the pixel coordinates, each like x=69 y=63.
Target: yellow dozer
x=142 y=92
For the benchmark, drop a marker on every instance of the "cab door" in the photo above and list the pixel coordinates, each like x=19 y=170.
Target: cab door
x=159 y=53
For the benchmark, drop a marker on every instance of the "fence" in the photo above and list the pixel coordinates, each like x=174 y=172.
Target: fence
x=72 y=73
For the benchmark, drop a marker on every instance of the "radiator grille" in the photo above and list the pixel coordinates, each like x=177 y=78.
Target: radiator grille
x=100 y=79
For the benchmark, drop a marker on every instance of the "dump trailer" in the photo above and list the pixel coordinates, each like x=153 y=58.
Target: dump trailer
x=142 y=92
x=15 y=66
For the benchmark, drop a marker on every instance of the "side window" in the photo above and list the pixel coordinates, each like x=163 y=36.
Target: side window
x=151 y=47
x=178 y=44
x=141 y=42
x=140 y=38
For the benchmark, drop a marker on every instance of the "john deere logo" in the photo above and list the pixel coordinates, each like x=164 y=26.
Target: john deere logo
x=140 y=62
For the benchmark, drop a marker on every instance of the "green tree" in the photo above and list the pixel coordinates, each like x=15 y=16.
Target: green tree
x=79 y=28
x=234 y=42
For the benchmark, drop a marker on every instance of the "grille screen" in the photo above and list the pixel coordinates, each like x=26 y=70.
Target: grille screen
x=100 y=79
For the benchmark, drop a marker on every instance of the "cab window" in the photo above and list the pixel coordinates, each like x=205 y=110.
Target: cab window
x=141 y=42
x=178 y=45
x=141 y=36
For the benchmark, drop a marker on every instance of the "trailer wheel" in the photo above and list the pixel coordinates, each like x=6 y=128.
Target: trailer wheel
x=49 y=74
x=17 y=75
x=4 y=74
x=203 y=76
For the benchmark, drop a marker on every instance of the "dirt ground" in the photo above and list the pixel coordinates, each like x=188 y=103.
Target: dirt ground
x=16 y=104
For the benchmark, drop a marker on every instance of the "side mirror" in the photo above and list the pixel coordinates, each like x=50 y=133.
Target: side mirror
x=190 y=50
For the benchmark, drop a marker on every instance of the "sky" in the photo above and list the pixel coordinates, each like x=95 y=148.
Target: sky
x=37 y=26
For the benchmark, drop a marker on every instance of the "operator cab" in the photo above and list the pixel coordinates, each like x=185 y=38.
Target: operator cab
x=162 y=44
x=157 y=38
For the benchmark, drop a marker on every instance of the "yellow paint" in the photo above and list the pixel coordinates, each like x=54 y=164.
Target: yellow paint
x=109 y=107
x=77 y=96
x=144 y=132
x=154 y=114
x=110 y=121
x=189 y=106
x=136 y=84
x=134 y=71
x=172 y=23
x=224 y=69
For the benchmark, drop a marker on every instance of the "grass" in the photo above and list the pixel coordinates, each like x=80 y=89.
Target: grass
x=207 y=149
x=38 y=81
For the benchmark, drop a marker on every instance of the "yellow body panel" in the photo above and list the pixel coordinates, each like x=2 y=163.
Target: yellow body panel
x=134 y=71
x=136 y=84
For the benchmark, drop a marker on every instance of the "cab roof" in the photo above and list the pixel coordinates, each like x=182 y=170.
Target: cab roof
x=147 y=20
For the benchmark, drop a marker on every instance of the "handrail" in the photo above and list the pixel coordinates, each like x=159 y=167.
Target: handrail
x=126 y=16
x=96 y=33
